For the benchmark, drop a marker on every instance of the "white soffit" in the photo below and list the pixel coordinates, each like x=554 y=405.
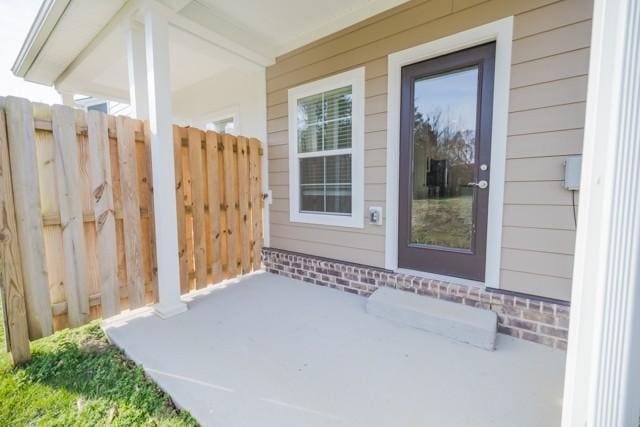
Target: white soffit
x=190 y=63
x=78 y=25
x=268 y=28
x=278 y=26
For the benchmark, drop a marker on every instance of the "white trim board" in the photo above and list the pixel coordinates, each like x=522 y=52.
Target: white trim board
x=501 y=32
x=355 y=79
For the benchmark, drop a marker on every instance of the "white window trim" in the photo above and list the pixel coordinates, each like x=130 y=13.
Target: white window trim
x=501 y=32
x=354 y=78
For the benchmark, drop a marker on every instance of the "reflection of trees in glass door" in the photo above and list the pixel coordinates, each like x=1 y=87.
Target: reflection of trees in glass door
x=445 y=145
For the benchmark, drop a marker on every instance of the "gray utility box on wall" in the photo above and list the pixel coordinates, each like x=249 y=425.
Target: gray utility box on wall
x=572 y=168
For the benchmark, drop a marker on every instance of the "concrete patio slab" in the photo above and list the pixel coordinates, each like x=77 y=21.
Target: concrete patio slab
x=271 y=351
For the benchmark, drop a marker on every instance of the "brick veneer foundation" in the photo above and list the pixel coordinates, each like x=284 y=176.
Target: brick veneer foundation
x=521 y=316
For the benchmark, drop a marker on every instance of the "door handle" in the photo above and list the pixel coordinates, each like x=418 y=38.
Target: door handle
x=480 y=184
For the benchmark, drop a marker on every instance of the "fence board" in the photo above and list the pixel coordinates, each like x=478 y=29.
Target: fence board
x=100 y=160
x=11 y=278
x=130 y=211
x=148 y=190
x=255 y=187
x=213 y=167
x=230 y=201
x=243 y=203
x=197 y=206
x=26 y=196
x=186 y=173
x=66 y=159
x=180 y=211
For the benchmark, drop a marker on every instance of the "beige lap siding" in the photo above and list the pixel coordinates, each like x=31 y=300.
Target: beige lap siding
x=547 y=103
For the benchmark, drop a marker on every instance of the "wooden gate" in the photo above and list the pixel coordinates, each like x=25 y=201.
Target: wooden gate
x=76 y=198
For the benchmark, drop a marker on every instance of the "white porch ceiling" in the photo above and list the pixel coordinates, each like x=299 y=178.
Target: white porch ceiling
x=82 y=49
x=103 y=72
x=278 y=26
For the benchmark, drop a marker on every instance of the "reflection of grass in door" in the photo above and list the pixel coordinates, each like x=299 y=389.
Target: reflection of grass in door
x=442 y=222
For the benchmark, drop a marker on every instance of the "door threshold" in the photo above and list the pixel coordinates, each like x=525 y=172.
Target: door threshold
x=443 y=278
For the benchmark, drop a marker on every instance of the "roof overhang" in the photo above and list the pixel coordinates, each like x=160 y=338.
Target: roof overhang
x=69 y=39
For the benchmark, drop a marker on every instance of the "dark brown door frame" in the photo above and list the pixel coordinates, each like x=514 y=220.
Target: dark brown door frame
x=447 y=261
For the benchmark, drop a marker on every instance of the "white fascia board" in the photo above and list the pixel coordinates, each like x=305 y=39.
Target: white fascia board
x=45 y=21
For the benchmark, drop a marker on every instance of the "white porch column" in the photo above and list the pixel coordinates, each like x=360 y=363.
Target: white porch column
x=164 y=195
x=138 y=91
x=602 y=382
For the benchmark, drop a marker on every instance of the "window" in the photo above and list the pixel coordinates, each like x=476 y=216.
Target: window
x=326 y=150
x=222 y=126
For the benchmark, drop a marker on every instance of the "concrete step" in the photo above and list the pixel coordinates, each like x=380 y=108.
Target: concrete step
x=459 y=322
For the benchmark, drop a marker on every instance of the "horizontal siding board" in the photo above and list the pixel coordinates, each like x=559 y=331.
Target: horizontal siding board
x=560 y=40
x=375 y=87
x=464 y=4
x=277 y=125
x=359 y=256
x=375 y=192
x=536 y=193
x=279 y=191
x=551 y=16
x=278 y=138
x=375 y=122
x=278 y=152
x=562 y=66
x=374 y=140
x=279 y=165
x=562 y=117
x=557 y=265
x=278 y=178
x=277 y=111
x=375 y=175
x=541 y=240
x=376 y=68
x=539 y=216
x=344 y=238
x=280 y=205
x=548 y=286
x=536 y=169
x=558 y=92
x=375 y=104
x=281 y=218
x=375 y=157
x=558 y=143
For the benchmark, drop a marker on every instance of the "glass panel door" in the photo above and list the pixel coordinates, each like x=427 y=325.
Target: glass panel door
x=445 y=142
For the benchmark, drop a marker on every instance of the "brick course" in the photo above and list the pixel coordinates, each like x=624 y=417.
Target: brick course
x=525 y=317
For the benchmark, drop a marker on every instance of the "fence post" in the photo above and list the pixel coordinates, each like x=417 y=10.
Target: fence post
x=28 y=214
x=11 y=279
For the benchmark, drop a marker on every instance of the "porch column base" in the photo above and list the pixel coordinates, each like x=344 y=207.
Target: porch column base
x=165 y=311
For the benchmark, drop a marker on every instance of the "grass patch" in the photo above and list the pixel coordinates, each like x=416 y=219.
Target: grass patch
x=442 y=222
x=76 y=378
x=2 y=344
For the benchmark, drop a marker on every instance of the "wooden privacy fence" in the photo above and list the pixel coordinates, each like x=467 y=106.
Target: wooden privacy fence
x=76 y=199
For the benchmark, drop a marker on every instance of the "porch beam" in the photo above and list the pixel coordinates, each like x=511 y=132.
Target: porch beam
x=163 y=169
x=67 y=99
x=137 y=68
x=602 y=381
